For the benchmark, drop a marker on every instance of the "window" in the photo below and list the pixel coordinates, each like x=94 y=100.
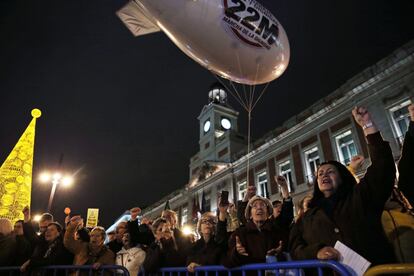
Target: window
x=286 y=171
x=242 y=189
x=312 y=162
x=400 y=119
x=346 y=147
x=262 y=184
x=184 y=215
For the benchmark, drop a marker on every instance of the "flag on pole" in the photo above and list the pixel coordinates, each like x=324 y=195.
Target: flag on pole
x=167 y=205
x=16 y=174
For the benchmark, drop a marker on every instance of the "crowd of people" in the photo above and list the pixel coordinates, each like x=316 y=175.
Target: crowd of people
x=343 y=207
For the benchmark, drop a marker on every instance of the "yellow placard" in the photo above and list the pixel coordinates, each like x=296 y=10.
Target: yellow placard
x=92 y=218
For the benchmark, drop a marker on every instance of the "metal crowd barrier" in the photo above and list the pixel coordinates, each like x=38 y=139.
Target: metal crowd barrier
x=278 y=269
x=391 y=269
x=56 y=270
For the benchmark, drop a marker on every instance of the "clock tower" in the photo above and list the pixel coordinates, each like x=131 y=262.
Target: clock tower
x=218 y=132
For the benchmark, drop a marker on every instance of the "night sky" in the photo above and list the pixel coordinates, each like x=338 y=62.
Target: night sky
x=123 y=110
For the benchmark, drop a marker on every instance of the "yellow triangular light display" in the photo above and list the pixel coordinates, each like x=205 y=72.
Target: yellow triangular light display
x=16 y=174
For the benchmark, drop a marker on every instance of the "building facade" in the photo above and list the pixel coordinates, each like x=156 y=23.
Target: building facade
x=324 y=131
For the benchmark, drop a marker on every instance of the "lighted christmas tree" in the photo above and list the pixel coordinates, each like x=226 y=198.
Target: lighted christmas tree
x=16 y=174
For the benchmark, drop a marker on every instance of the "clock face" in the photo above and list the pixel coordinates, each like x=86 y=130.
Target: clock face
x=225 y=123
x=207 y=125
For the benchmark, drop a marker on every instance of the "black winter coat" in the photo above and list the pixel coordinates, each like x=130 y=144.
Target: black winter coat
x=14 y=250
x=32 y=237
x=140 y=234
x=257 y=243
x=406 y=164
x=210 y=253
x=57 y=255
x=169 y=255
x=51 y=254
x=115 y=246
x=356 y=218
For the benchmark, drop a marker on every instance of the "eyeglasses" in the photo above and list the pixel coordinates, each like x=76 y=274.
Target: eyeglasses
x=205 y=221
x=258 y=205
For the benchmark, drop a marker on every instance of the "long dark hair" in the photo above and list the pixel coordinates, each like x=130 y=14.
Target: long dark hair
x=348 y=182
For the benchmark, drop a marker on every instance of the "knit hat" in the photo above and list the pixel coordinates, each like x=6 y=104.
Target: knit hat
x=250 y=203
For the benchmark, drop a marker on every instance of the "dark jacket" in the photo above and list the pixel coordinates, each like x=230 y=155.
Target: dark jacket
x=203 y=253
x=51 y=254
x=284 y=221
x=241 y=207
x=167 y=256
x=184 y=242
x=406 y=164
x=170 y=255
x=115 y=245
x=287 y=214
x=140 y=234
x=257 y=243
x=14 y=250
x=398 y=216
x=83 y=234
x=24 y=250
x=356 y=218
x=8 y=249
x=222 y=236
x=31 y=235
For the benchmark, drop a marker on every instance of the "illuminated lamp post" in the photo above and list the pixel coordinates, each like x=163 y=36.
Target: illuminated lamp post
x=56 y=178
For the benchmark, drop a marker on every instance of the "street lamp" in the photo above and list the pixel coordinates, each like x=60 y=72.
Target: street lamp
x=56 y=178
x=37 y=217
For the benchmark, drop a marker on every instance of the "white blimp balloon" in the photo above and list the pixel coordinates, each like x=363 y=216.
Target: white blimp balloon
x=239 y=40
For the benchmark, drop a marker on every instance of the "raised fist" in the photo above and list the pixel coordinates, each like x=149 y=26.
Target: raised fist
x=135 y=212
x=251 y=192
x=26 y=213
x=281 y=180
x=361 y=116
x=356 y=162
x=75 y=220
